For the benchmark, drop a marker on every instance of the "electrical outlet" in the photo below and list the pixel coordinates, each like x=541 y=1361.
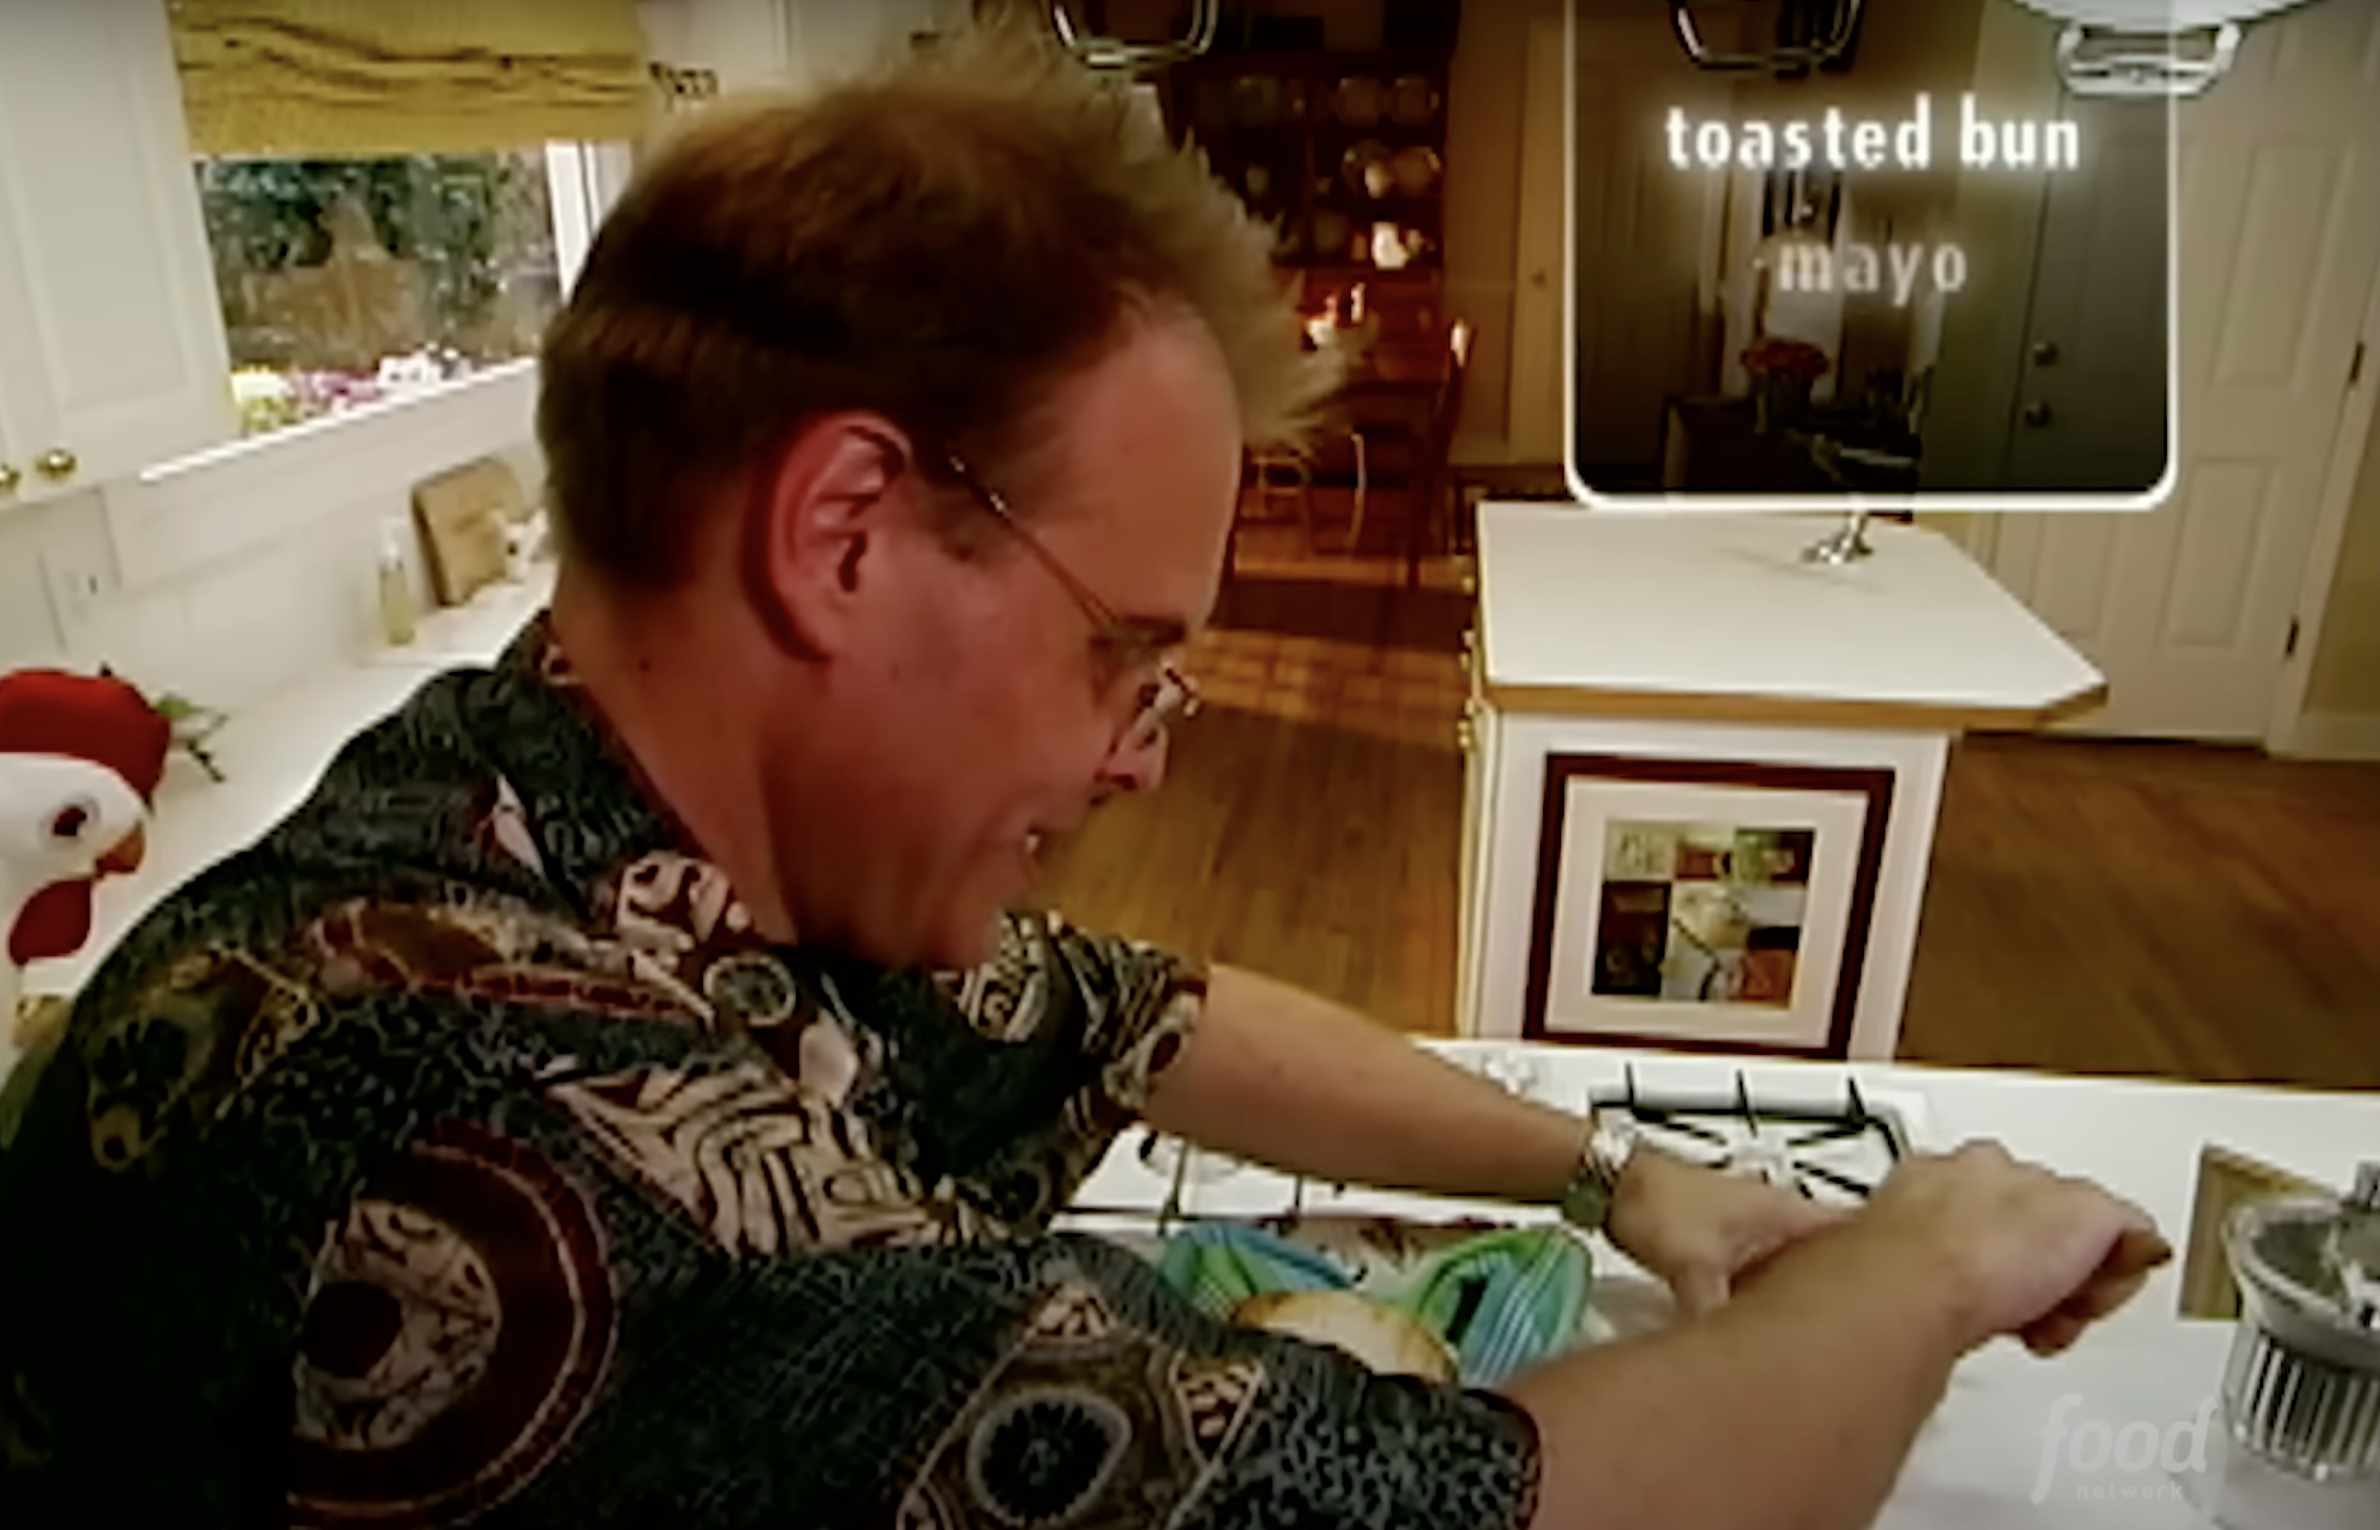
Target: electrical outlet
x=78 y=581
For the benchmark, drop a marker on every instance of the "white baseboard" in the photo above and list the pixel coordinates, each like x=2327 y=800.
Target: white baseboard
x=2334 y=736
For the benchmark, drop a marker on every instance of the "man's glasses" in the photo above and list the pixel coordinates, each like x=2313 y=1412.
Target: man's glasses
x=1170 y=695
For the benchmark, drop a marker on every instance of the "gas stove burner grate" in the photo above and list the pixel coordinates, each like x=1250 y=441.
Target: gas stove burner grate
x=1837 y=1152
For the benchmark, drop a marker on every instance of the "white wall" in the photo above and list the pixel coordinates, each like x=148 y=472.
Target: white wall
x=225 y=637
x=292 y=591
x=828 y=38
x=787 y=44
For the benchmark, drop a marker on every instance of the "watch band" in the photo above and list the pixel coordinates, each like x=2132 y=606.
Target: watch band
x=1604 y=1156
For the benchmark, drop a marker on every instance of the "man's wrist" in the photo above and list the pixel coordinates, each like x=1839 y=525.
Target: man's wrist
x=1607 y=1151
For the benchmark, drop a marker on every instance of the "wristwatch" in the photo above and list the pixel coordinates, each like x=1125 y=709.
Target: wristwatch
x=1602 y=1159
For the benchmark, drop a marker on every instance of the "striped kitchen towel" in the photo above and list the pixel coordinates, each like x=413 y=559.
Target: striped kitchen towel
x=1503 y=1300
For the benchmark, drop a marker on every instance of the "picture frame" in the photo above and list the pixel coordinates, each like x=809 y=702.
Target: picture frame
x=1704 y=905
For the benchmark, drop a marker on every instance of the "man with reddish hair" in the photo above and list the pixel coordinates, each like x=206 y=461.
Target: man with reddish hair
x=627 y=1092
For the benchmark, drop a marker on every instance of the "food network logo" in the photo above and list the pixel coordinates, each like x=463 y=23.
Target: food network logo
x=2095 y=1447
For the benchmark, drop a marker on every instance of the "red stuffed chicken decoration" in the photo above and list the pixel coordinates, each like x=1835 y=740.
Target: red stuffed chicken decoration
x=80 y=759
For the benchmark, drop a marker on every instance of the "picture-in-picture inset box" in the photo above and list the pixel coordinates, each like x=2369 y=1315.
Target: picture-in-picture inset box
x=1821 y=251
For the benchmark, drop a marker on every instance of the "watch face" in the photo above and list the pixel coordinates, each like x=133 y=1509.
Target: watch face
x=1604 y=1158
x=1586 y=1204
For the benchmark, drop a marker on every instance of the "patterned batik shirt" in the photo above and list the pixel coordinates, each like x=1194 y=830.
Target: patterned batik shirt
x=460 y=1154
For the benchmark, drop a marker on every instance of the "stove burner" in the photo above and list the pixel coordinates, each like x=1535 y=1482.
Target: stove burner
x=1834 y=1151
x=1838 y=1153
x=1174 y=1159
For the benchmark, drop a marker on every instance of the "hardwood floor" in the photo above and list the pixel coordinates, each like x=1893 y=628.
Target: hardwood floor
x=2102 y=907
x=2113 y=908
x=1308 y=823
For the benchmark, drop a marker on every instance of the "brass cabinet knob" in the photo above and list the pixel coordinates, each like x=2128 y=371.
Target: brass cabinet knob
x=9 y=478
x=57 y=462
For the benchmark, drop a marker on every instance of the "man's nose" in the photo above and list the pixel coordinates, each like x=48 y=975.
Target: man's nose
x=1138 y=762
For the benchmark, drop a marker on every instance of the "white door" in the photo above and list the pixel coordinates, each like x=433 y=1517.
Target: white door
x=2188 y=609
x=111 y=343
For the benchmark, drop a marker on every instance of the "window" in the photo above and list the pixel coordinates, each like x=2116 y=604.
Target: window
x=395 y=195
x=347 y=281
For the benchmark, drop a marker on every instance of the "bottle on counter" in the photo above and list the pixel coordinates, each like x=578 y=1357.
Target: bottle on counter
x=400 y=618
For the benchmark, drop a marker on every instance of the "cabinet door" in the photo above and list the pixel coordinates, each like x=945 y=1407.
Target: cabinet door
x=111 y=342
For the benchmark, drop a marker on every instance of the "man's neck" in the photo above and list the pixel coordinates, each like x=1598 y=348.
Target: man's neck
x=680 y=721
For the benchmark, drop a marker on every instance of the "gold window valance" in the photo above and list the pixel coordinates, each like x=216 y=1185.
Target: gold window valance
x=365 y=78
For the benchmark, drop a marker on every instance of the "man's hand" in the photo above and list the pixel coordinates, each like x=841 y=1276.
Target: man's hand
x=1700 y=1230
x=2020 y=1251
x=1949 y=1253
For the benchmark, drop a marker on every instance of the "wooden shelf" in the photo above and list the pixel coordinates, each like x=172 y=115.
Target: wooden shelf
x=1279 y=115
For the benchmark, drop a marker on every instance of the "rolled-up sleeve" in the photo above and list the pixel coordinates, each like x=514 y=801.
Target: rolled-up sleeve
x=1140 y=1001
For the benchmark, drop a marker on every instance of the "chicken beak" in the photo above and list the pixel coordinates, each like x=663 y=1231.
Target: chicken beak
x=130 y=851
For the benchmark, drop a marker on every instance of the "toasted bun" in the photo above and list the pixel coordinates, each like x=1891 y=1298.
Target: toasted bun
x=1382 y=1338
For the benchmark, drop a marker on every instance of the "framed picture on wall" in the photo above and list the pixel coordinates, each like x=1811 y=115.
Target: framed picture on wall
x=1703 y=904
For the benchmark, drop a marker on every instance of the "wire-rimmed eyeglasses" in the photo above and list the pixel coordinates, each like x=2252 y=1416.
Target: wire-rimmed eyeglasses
x=1170 y=695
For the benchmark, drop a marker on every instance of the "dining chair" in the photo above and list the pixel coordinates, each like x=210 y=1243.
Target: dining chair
x=1410 y=445
x=1445 y=419
x=1268 y=466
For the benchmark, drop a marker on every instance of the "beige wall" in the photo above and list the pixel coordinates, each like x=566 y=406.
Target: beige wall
x=2346 y=675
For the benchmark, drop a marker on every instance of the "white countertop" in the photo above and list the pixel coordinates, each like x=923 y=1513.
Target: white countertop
x=1722 y=607
x=272 y=754
x=1979 y=1463
x=2139 y=1138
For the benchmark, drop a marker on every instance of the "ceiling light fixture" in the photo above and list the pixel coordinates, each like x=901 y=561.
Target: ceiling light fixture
x=1797 y=58
x=2149 y=48
x=1115 y=55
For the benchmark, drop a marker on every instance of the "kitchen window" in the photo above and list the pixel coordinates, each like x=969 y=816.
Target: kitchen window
x=349 y=281
x=393 y=196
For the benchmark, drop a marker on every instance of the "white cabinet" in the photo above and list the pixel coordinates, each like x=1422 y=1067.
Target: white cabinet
x=111 y=343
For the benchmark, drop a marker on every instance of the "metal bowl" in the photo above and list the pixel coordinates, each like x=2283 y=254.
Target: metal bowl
x=2302 y=1389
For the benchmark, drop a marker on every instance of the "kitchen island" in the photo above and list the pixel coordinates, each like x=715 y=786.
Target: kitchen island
x=1703 y=772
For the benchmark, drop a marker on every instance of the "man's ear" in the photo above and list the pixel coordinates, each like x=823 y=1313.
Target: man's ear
x=814 y=525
